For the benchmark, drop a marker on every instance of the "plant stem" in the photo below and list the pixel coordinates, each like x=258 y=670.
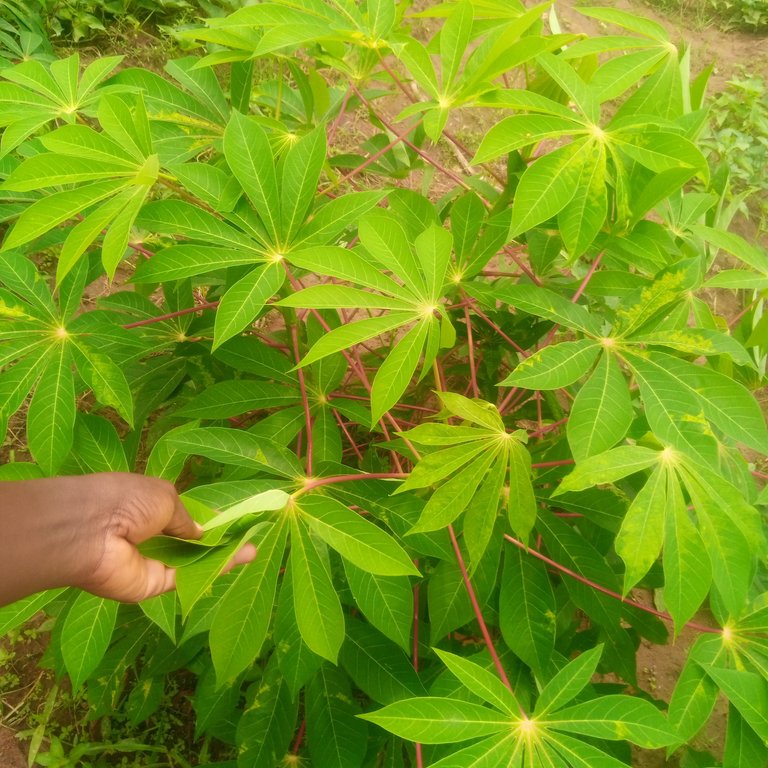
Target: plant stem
x=171 y=315
x=471 y=348
x=304 y=398
x=568 y=572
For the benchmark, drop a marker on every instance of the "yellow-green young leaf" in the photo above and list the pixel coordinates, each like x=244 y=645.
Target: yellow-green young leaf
x=386 y=601
x=86 y=634
x=51 y=414
x=452 y=498
x=547 y=186
x=527 y=609
x=750 y=254
x=243 y=302
x=419 y=64
x=50 y=170
x=555 y=366
x=615 y=718
x=362 y=543
x=521 y=503
x=249 y=156
x=602 y=411
x=315 y=600
x=454 y=38
x=343 y=297
x=396 y=371
x=435 y=720
x=446 y=434
x=662 y=151
x=638 y=542
x=268 y=501
x=687 y=570
x=300 y=174
x=433 y=248
x=242 y=618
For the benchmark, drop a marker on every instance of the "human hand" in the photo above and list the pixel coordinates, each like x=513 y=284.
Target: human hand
x=83 y=531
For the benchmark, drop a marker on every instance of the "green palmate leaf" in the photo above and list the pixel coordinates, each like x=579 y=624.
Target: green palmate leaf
x=638 y=542
x=698 y=341
x=608 y=467
x=687 y=569
x=343 y=297
x=482 y=511
x=337 y=215
x=239 y=448
x=438 y=720
x=476 y=411
x=266 y=727
x=520 y=131
x=548 y=185
x=748 y=692
x=568 y=682
x=249 y=156
x=318 y=611
x=496 y=752
x=742 y=746
x=452 y=498
x=51 y=415
x=547 y=304
x=602 y=411
x=377 y=666
x=554 y=366
x=232 y=398
x=180 y=261
x=729 y=549
x=106 y=379
x=300 y=174
x=419 y=64
x=161 y=611
x=725 y=402
x=386 y=601
x=662 y=151
x=580 y=754
x=527 y=609
x=732 y=243
x=616 y=718
x=481 y=682
x=583 y=217
x=97 y=445
x=242 y=619
x=397 y=370
x=387 y=242
x=454 y=37
x=433 y=249
x=695 y=694
x=86 y=634
x=337 y=739
x=354 y=538
x=347 y=336
x=15 y=614
x=348 y=265
x=243 y=302
x=271 y=500
x=437 y=466
x=15 y=384
x=521 y=502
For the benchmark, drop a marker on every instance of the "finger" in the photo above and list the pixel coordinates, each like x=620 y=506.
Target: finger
x=181 y=524
x=245 y=554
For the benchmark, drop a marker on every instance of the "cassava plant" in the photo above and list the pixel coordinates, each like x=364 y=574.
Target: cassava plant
x=419 y=303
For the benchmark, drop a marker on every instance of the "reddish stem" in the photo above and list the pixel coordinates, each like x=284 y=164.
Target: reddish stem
x=561 y=463
x=498 y=330
x=316 y=482
x=524 y=267
x=296 y=746
x=478 y=613
x=304 y=398
x=568 y=572
x=171 y=315
x=471 y=347
x=344 y=429
x=342 y=109
x=585 y=282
